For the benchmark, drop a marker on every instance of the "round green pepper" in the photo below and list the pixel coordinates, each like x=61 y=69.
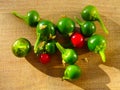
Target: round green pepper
x=21 y=47
x=50 y=47
x=69 y=56
x=87 y=28
x=66 y=26
x=72 y=72
x=32 y=18
x=97 y=43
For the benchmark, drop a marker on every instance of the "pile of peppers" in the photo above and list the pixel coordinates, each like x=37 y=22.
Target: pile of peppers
x=46 y=43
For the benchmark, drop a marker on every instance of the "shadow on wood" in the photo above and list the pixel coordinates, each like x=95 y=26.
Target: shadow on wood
x=93 y=77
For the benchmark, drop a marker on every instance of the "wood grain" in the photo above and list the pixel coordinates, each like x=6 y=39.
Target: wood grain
x=28 y=74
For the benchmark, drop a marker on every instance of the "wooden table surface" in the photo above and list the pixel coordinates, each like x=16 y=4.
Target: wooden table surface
x=28 y=74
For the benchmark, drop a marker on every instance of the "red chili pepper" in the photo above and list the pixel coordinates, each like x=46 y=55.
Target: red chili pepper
x=44 y=58
x=77 y=40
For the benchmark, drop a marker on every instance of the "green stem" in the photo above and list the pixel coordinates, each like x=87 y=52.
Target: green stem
x=78 y=21
x=102 y=54
x=102 y=25
x=61 y=49
x=67 y=78
x=20 y=16
x=37 y=43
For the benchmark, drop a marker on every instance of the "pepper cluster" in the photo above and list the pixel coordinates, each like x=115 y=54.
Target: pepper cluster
x=46 y=43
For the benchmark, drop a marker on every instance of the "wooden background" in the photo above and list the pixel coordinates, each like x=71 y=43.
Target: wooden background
x=28 y=74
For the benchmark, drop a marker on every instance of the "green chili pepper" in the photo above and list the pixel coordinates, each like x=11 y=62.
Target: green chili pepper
x=97 y=43
x=50 y=47
x=87 y=28
x=90 y=13
x=32 y=18
x=72 y=72
x=45 y=31
x=66 y=26
x=21 y=47
x=69 y=56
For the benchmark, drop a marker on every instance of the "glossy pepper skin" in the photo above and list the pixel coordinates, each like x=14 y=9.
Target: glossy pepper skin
x=72 y=72
x=45 y=31
x=97 y=43
x=44 y=58
x=77 y=40
x=90 y=13
x=66 y=26
x=87 y=28
x=31 y=18
x=50 y=47
x=69 y=56
x=21 y=47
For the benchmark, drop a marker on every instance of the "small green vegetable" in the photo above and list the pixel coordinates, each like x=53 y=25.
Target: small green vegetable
x=45 y=31
x=50 y=47
x=87 y=28
x=32 y=18
x=90 y=13
x=66 y=26
x=21 y=47
x=69 y=56
x=97 y=43
x=72 y=72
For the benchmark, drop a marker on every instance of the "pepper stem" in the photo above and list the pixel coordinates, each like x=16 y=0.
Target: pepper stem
x=67 y=78
x=102 y=24
x=78 y=21
x=102 y=54
x=37 y=44
x=20 y=16
x=61 y=49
